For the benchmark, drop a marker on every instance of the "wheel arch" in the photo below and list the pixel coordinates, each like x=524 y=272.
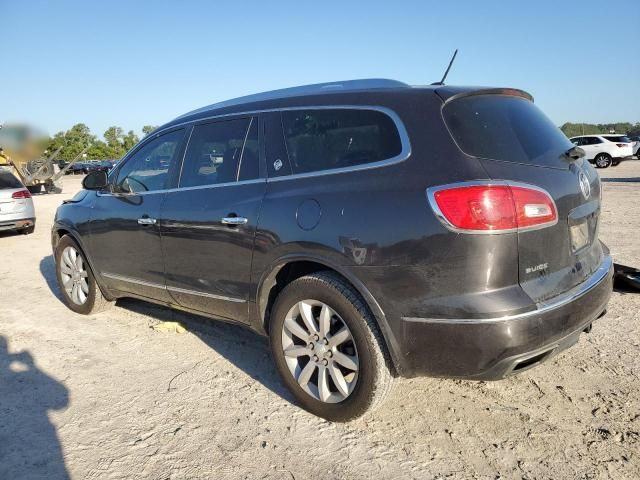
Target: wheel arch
x=287 y=269
x=60 y=230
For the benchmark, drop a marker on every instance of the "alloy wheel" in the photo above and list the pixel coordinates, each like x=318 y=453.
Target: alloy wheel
x=74 y=275
x=602 y=161
x=320 y=351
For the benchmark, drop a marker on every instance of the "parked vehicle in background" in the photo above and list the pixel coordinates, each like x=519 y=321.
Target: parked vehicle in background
x=602 y=151
x=105 y=165
x=16 y=205
x=76 y=168
x=371 y=229
x=636 y=144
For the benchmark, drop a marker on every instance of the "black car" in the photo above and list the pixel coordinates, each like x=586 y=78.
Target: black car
x=371 y=229
x=77 y=168
x=105 y=165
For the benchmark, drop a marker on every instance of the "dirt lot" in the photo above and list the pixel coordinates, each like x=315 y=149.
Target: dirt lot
x=109 y=397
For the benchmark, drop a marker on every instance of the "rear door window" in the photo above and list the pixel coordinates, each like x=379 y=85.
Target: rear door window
x=618 y=138
x=8 y=180
x=326 y=139
x=214 y=151
x=507 y=128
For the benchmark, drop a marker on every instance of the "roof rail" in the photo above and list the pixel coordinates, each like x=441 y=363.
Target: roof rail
x=318 y=88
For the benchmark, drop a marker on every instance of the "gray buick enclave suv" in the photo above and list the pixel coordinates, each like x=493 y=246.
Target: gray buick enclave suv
x=370 y=228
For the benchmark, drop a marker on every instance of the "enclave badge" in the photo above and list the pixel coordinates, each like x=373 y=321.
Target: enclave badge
x=584 y=185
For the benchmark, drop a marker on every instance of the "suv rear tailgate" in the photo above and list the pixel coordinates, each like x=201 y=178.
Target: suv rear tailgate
x=515 y=141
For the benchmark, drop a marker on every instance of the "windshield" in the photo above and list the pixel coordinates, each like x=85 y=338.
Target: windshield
x=507 y=128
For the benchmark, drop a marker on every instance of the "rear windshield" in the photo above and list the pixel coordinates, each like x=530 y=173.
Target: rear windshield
x=7 y=180
x=508 y=128
x=617 y=138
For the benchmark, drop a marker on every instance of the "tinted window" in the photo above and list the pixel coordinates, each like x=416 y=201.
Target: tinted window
x=326 y=139
x=505 y=128
x=592 y=141
x=249 y=164
x=213 y=153
x=618 y=139
x=578 y=141
x=7 y=180
x=148 y=168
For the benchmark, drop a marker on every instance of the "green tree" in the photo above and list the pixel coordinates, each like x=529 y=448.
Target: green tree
x=114 y=137
x=575 y=129
x=129 y=140
x=73 y=141
x=98 y=151
x=147 y=129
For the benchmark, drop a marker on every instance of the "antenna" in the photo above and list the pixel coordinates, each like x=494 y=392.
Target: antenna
x=441 y=82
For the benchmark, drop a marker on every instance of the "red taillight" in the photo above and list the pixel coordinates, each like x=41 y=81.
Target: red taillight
x=21 y=194
x=493 y=208
x=621 y=144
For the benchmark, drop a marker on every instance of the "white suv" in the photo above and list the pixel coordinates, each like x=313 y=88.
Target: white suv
x=604 y=150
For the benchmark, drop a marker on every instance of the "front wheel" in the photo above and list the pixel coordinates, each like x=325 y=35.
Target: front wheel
x=328 y=349
x=603 y=160
x=80 y=292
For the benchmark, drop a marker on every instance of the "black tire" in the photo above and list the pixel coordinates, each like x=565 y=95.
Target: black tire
x=33 y=189
x=28 y=230
x=95 y=300
x=52 y=188
x=374 y=379
x=615 y=163
x=603 y=160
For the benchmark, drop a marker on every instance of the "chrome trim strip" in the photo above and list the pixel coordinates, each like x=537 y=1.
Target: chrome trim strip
x=431 y=191
x=203 y=294
x=137 y=281
x=184 y=189
x=577 y=292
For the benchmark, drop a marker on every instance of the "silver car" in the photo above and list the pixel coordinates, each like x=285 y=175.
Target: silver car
x=16 y=205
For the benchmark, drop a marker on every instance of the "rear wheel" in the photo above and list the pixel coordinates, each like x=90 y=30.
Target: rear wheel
x=603 y=160
x=80 y=291
x=327 y=348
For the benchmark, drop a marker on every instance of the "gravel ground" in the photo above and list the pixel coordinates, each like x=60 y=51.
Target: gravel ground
x=109 y=397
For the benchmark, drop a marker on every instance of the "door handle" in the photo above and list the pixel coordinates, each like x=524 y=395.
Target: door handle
x=147 y=221
x=234 y=220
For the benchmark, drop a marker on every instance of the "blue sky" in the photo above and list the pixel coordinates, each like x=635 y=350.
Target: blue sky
x=131 y=63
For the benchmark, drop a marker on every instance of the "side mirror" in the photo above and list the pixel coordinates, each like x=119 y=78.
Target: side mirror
x=96 y=180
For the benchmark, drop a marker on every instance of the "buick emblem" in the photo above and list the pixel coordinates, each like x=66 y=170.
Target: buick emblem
x=585 y=186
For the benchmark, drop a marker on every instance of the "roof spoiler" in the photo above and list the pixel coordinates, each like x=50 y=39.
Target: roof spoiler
x=511 y=92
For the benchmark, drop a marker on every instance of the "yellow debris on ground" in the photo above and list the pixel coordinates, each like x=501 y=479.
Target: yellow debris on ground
x=170 y=327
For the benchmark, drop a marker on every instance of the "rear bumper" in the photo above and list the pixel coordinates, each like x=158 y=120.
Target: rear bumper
x=490 y=349
x=16 y=224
